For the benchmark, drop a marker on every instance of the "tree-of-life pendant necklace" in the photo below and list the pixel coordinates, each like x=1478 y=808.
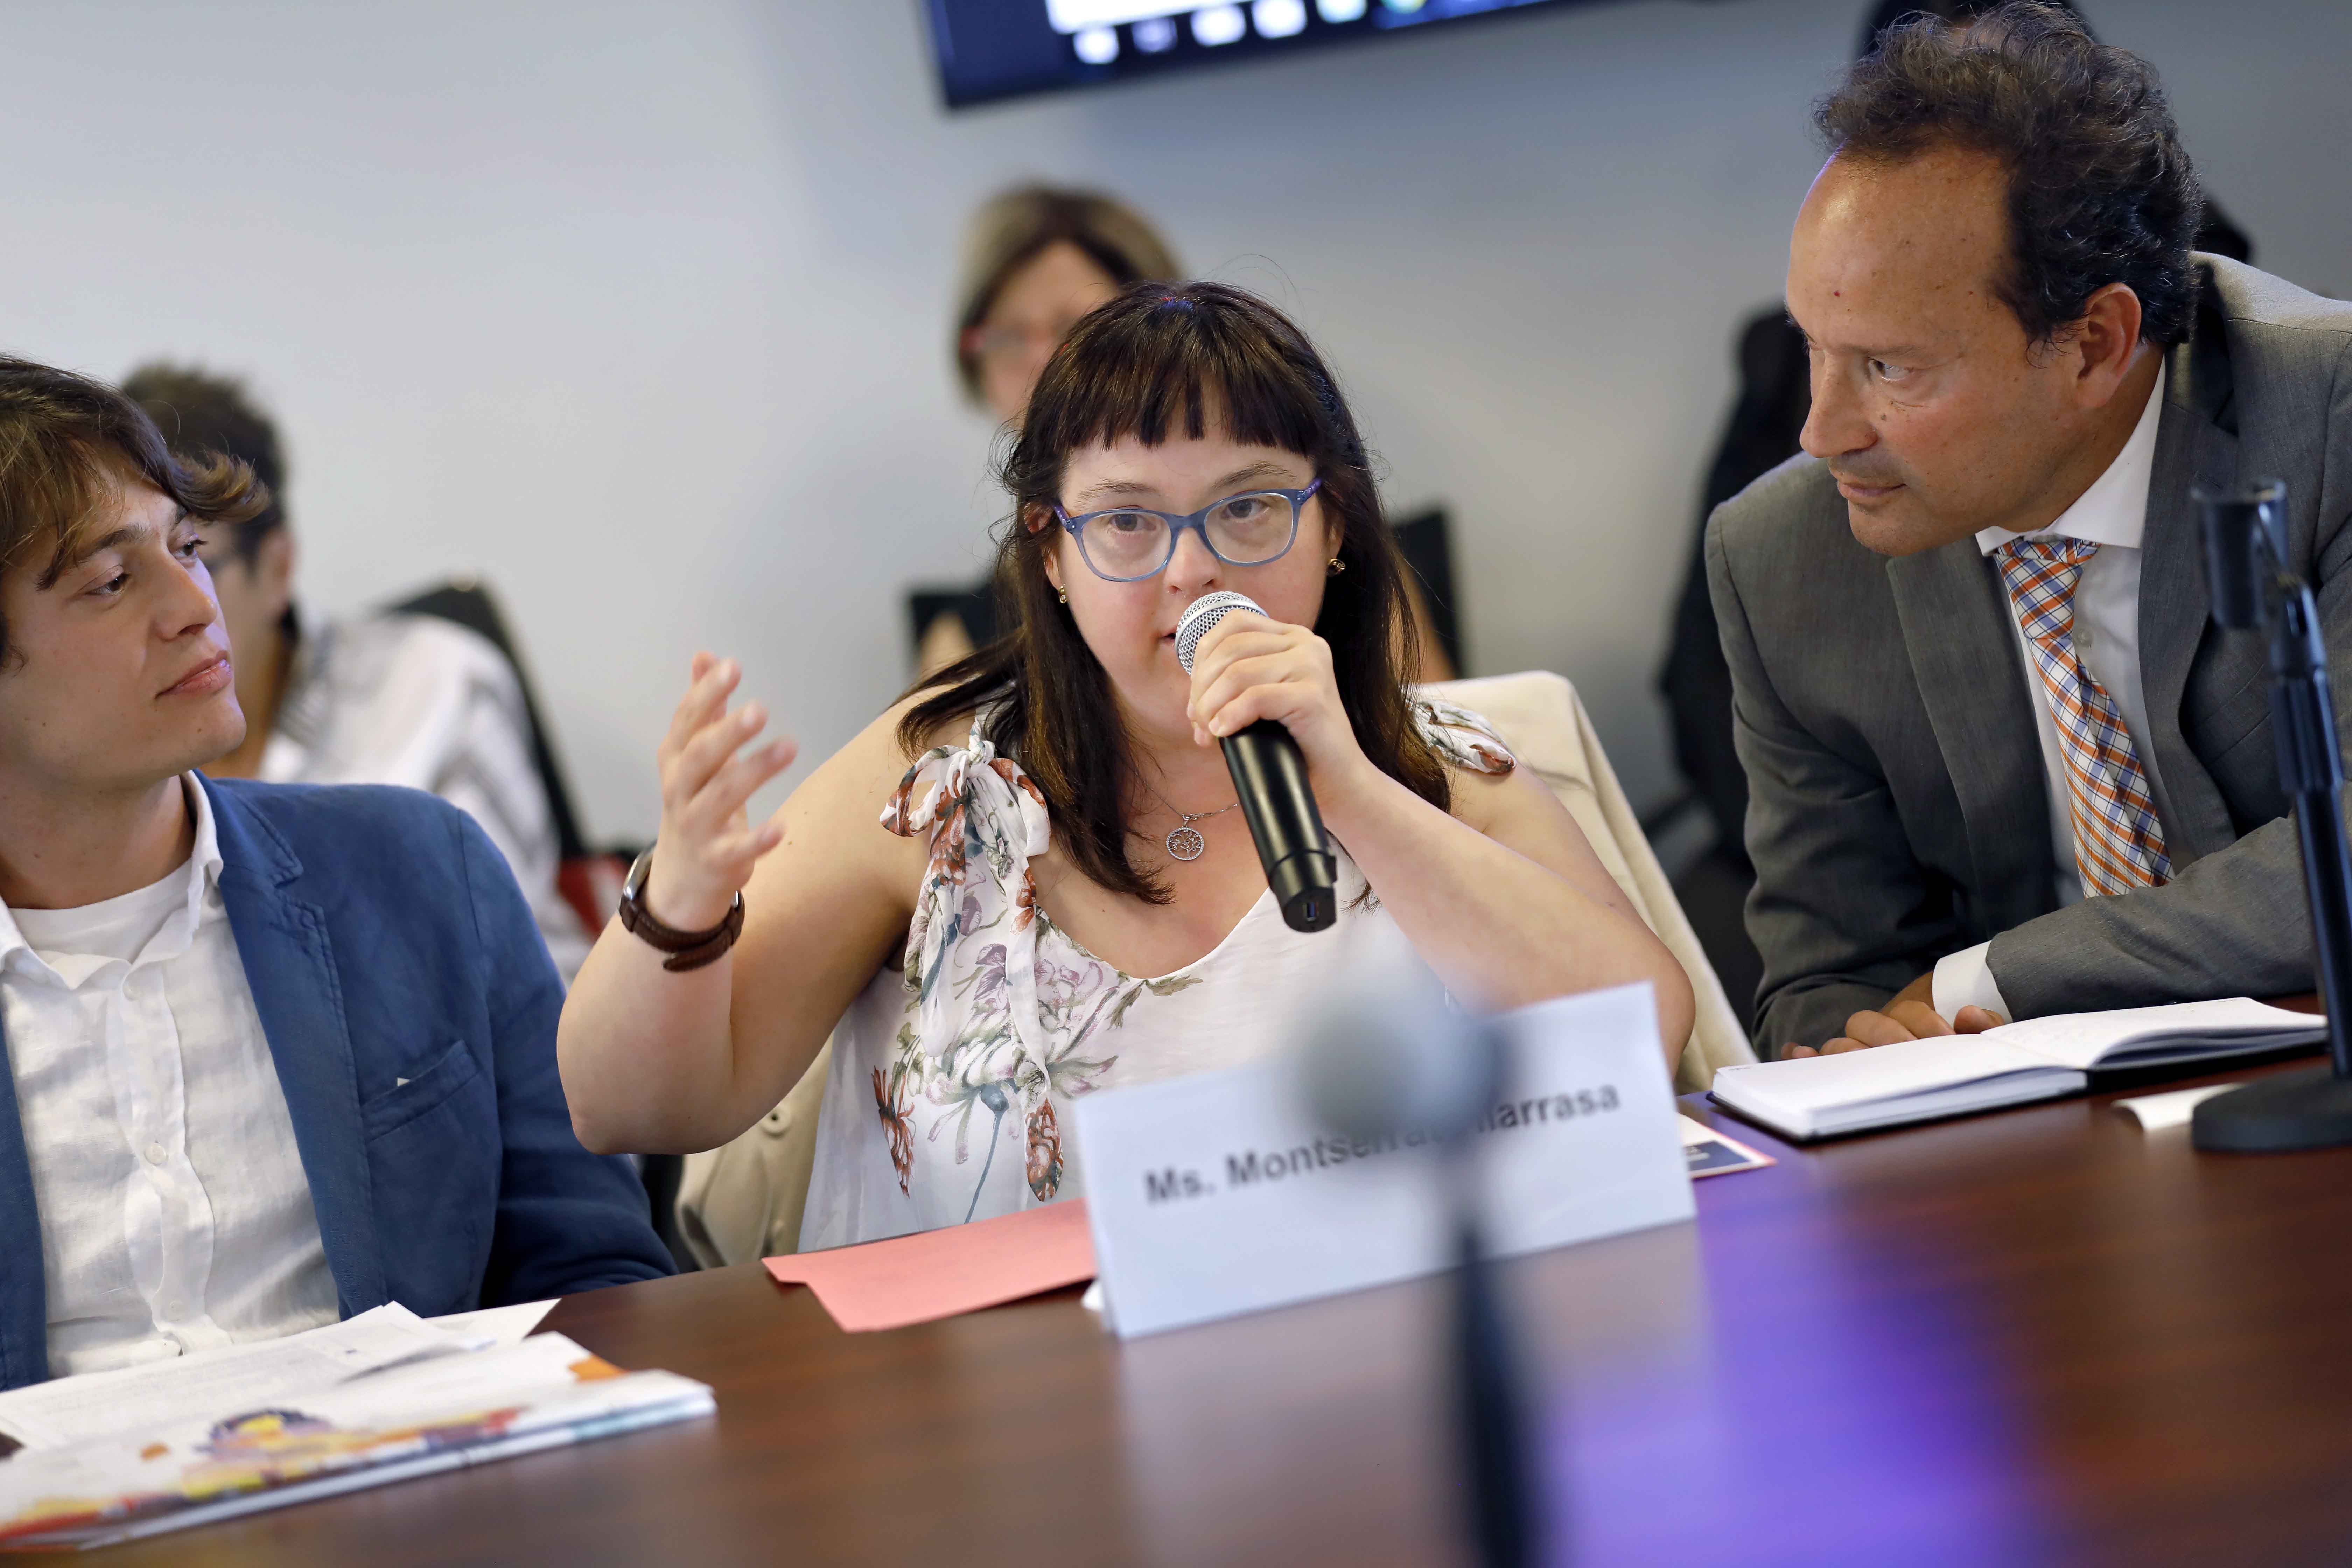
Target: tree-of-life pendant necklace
x=1184 y=841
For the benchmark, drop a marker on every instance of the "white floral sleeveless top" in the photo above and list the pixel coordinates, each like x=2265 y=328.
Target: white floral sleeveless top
x=952 y=1077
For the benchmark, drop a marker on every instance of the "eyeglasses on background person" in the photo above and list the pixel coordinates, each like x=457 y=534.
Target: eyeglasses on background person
x=1037 y=260
x=1128 y=543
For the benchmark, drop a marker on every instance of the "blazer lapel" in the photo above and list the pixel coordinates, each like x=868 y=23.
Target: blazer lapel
x=290 y=965
x=2192 y=449
x=24 y=1283
x=1970 y=678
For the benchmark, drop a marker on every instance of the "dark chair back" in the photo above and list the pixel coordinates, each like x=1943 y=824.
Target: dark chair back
x=1426 y=542
x=974 y=605
x=467 y=603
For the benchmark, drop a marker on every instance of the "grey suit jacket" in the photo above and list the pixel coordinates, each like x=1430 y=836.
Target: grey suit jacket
x=1881 y=709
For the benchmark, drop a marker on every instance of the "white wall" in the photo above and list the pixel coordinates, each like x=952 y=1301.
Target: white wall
x=637 y=310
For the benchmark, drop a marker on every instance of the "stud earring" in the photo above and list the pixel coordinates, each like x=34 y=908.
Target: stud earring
x=1334 y=566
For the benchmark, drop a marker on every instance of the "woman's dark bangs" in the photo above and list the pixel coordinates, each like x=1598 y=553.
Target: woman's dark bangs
x=1268 y=404
x=1177 y=366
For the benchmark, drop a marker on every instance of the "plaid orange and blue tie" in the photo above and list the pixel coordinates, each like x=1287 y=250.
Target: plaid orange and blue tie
x=2118 y=840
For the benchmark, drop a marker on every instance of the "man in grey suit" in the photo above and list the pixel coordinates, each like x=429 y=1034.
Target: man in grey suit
x=2001 y=763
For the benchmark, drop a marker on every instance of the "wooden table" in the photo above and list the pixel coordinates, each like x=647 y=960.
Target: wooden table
x=2038 y=1336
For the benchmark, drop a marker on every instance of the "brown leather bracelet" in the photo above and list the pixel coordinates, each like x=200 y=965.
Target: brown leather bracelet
x=687 y=949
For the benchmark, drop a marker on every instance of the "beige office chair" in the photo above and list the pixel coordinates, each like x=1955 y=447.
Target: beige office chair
x=744 y=1200
x=1542 y=720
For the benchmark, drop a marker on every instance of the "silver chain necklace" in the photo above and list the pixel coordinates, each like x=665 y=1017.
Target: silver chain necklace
x=1184 y=841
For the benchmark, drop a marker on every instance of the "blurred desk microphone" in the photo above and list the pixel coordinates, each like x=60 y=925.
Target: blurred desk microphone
x=1386 y=1054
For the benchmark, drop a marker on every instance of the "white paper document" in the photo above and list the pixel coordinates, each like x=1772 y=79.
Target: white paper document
x=266 y=1443
x=2153 y=1036
x=496 y=1325
x=2176 y=1108
x=2041 y=1058
x=71 y=1409
x=1221 y=1194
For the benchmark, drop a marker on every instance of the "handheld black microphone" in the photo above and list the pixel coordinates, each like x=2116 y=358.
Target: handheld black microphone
x=1270 y=777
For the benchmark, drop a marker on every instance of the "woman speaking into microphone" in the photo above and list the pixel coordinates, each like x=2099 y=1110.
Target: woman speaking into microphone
x=1060 y=894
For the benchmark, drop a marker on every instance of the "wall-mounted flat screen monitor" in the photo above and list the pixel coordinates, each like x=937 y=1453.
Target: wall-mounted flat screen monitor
x=1000 y=49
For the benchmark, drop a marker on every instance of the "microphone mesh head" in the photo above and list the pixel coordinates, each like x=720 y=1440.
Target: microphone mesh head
x=1201 y=616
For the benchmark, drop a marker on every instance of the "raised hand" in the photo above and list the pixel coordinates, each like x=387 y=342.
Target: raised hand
x=708 y=845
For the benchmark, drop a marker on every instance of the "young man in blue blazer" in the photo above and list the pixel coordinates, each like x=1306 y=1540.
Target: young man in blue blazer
x=276 y=1054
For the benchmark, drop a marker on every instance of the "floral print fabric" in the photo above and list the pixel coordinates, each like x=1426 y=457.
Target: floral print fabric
x=952 y=1077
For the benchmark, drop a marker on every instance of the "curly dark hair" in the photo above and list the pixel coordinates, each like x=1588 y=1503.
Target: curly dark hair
x=2100 y=189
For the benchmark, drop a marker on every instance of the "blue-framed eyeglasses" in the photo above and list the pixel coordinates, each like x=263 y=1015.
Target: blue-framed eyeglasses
x=1128 y=543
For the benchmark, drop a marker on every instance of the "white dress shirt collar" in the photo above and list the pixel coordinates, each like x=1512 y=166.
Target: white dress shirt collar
x=194 y=877
x=2114 y=510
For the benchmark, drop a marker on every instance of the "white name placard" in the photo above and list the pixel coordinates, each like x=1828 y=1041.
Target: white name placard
x=1223 y=1193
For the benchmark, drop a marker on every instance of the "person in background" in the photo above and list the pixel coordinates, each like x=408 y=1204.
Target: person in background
x=1037 y=260
x=1760 y=434
x=274 y=1054
x=2001 y=763
x=1056 y=897
x=383 y=697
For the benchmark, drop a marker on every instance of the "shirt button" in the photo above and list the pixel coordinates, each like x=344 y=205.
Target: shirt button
x=155 y=1155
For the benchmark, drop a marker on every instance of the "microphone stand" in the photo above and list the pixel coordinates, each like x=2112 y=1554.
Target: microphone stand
x=2255 y=589
x=1491 y=1412
x=1385 y=1056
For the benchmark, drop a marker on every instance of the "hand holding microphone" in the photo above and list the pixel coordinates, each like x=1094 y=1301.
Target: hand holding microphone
x=1263 y=687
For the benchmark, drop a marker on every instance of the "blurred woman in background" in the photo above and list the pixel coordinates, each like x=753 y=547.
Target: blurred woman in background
x=1059 y=898
x=1038 y=258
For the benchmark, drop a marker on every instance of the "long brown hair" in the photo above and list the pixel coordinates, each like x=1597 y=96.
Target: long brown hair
x=1160 y=358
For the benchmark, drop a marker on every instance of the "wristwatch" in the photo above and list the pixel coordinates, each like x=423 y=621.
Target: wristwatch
x=687 y=949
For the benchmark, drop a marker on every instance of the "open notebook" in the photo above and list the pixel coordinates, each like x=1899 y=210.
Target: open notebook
x=2041 y=1058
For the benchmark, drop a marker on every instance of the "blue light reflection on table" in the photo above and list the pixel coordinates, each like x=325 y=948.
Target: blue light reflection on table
x=1804 y=1411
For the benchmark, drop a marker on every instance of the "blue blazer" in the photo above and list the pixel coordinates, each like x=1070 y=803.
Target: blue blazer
x=410 y=1007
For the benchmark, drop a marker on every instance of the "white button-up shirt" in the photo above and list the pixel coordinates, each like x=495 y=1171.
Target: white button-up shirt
x=2113 y=515
x=175 y=1212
